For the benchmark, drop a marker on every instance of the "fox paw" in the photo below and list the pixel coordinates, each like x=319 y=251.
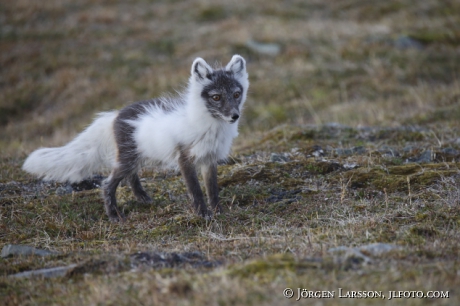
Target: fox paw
x=144 y=199
x=117 y=216
x=217 y=210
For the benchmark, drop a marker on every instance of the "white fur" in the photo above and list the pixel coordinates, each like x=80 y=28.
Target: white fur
x=158 y=134
x=93 y=150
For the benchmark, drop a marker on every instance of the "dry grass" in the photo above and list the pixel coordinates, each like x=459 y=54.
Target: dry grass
x=392 y=64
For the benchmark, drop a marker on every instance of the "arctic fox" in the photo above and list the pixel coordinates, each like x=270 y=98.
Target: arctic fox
x=190 y=131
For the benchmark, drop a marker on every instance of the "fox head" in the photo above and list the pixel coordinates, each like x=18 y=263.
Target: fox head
x=224 y=90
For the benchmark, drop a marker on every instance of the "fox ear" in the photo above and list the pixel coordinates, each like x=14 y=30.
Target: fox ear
x=237 y=65
x=200 y=69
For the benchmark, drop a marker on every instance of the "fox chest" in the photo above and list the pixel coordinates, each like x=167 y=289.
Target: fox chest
x=213 y=144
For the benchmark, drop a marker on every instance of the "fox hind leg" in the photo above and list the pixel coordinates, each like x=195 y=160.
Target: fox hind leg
x=109 y=188
x=137 y=189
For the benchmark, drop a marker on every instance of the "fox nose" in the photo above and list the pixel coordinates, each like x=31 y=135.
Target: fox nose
x=235 y=117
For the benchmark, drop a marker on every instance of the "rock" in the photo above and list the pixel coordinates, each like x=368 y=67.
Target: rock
x=350 y=258
x=336 y=125
x=315 y=151
x=48 y=272
x=457 y=141
x=270 y=49
x=14 y=249
x=279 y=195
x=170 y=260
x=405 y=42
x=359 y=150
x=409 y=149
x=378 y=249
x=279 y=158
x=387 y=151
x=354 y=257
x=63 y=190
x=89 y=184
x=343 y=152
x=350 y=166
x=425 y=157
x=450 y=151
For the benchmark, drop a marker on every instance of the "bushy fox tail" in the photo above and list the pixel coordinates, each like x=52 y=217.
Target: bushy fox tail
x=92 y=151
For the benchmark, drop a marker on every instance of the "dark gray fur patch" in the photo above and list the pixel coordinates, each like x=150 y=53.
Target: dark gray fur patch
x=127 y=149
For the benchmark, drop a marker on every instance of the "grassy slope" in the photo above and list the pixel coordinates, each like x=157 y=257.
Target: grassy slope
x=62 y=61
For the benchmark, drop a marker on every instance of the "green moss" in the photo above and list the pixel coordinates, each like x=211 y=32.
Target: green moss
x=165 y=46
x=423 y=230
x=398 y=178
x=212 y=13
x=277 y=113
x=271 y=267
x=322 y=167
x=441 y=114
x=442 y=36
x=404 y=169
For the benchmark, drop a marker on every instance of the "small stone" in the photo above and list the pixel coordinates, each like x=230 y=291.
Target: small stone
x=343 y=152
x=63 y=190
x=409 y=149
x=48 y=272
x=336 y=125
x=387 y=151
x=350 y=166
x=378 y=249
x=450 y=151
x=357 y=256
x=14 y=249
x=426 y=157
x=169 y=260
x=349 y=257
x=279 y=158
x=93 y=182
x=359 y=150
x=270 y=49
x=405 y=42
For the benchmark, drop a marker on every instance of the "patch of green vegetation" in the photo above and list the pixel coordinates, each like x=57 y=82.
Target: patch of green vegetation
x=164 y=46
x=398 y=178
x=399 y=136
x=277 y=113
x=428 y=36
x=212 y=14
x=448 y=114
x=268 y=269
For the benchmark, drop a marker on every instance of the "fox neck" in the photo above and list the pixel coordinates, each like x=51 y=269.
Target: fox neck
x=213 y=136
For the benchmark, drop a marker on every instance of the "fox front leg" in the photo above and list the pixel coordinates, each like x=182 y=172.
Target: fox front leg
x=188 y=171
x=209 y=173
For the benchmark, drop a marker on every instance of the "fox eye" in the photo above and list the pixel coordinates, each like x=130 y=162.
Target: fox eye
x=236 y=95
x=216 y=97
